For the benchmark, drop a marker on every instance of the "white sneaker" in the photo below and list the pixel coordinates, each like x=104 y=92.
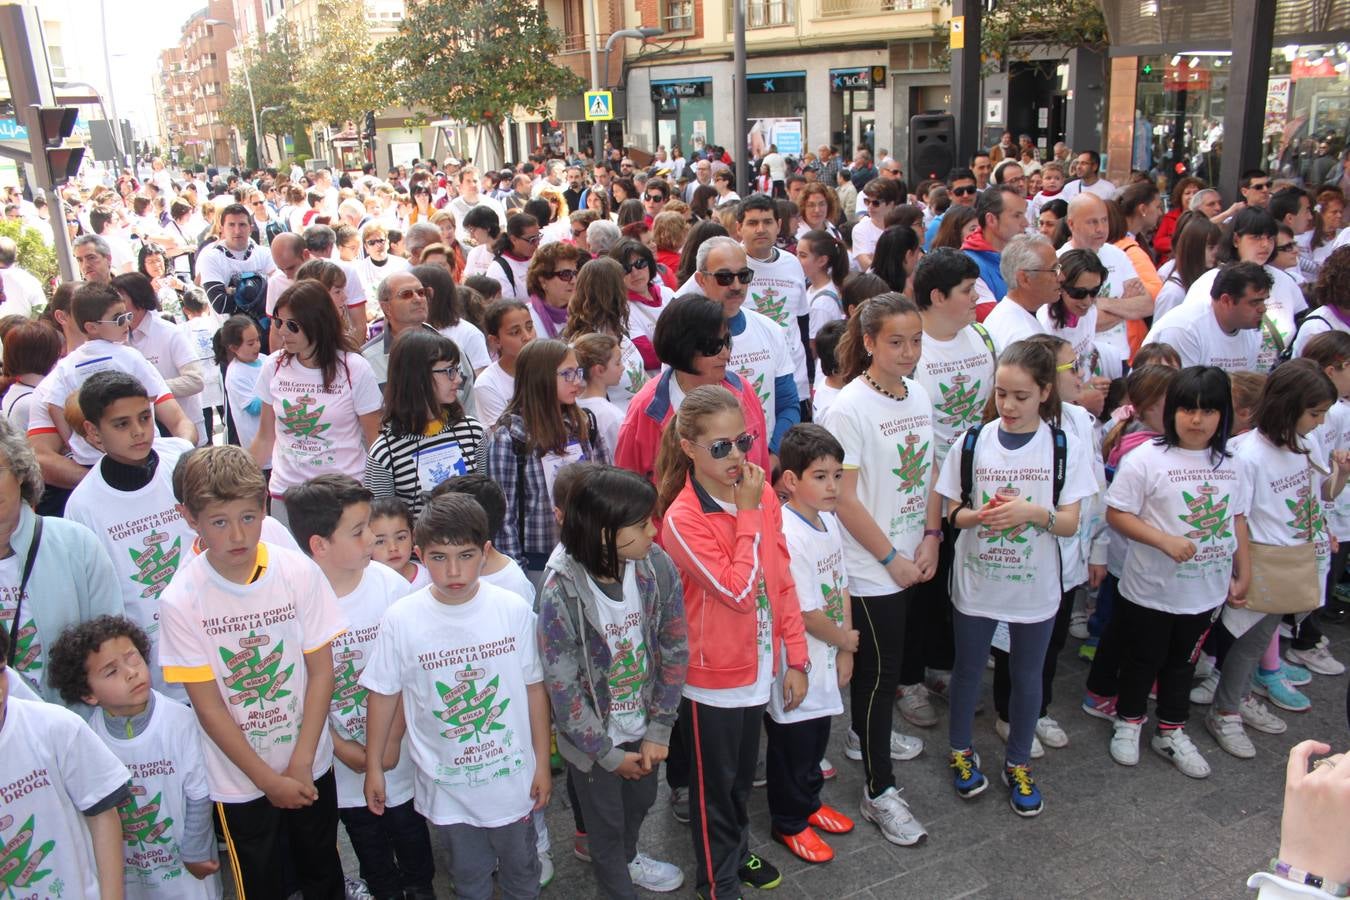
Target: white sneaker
x=1125 y=742
x=545 y=868
x=1203 y=693
x=891 y=814
x=1255 y=715
x=1318 y=659
x=912 y=702
x=903 y=747
x=1176 y=745
x=1078 y=626
x=355 y=889
x=1004 y=729
x=1230 y=734
x=1051 y=734
x=654 y=875
x=1203 y=666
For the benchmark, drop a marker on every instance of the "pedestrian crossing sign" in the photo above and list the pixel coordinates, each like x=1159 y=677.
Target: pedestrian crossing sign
x=599 y=106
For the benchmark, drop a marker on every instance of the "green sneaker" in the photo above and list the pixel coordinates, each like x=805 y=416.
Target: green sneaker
x=757 y=872
x=1087 y=652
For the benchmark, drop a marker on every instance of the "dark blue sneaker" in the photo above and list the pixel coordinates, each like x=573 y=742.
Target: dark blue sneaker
x=1025 y=797
x=966 y=775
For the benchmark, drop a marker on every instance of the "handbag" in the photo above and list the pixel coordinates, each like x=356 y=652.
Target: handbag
x=1285 y=579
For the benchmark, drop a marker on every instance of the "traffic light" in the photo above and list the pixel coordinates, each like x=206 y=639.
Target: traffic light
x=55 y=124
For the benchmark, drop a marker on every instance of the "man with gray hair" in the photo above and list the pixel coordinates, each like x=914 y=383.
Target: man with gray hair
x=419 y=237
x=552 y=179
x=404 y=304
x=319 y=244
x=94 y=257
x=601 y=236
x=1028 y=266
x=21 y=291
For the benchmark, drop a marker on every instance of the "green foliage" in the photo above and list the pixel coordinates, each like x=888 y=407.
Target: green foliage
x=34 y=254
x=476 y=60
x=1014 y=27
x=274 y=67
x=340 y=75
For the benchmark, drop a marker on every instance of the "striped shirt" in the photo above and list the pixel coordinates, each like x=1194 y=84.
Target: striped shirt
x=407 y=466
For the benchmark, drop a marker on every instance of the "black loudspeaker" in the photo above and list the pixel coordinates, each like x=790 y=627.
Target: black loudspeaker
x=932 y=146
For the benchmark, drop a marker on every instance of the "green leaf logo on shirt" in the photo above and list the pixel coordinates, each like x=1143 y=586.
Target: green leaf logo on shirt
x=960 y=403
x=757 y=382
x=627 y=672
x=1208 y=514
x=1014 y=535
x=298 y=418
x=139 y=825
x=255 y=678
x=833 y=595
x=913 y=469
x=1308 y=521
x=155 y=566
x=469 y=710
x=27 y=650
x=18 y=867
x=771 y=304
x=348 y=695
x=637 y=377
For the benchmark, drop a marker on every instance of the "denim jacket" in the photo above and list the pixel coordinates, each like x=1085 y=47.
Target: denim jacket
x=577 y=658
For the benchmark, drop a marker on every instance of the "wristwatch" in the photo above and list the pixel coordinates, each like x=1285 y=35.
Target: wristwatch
x=933 y=532
x=805 y=668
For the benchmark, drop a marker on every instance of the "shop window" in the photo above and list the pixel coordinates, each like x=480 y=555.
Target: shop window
x=678 y=15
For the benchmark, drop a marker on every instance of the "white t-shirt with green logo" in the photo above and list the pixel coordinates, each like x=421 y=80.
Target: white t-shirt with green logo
x=817 y=557
x=958 y=376
x=621 y=624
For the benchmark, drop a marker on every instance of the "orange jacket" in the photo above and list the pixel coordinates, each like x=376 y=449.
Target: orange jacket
x=721 y=558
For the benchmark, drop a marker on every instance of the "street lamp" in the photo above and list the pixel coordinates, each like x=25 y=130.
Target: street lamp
x=248 y=85
x=640 y=34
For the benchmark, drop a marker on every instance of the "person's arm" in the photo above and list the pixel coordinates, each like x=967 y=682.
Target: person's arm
x=313 y=714
x=858 y=521
x=379 y=475
x=105 y=830
x=370 y=427
x=356 y=317
x=1131 y=527
x=188 y=381
x=1242 y=566
x=197 y=841
x=692 y=542
x=787 y=410
x=541 y=735
x=1021 y=512
x=349 y=751
x=380 y=710
x=58 y=470
x=1134 y=303
x=282 y=791
x=265 y=439
x=673 y=652
x=169 y=414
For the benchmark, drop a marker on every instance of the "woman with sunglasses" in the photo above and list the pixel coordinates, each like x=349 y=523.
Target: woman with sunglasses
x=551 y=280
x=512 y=253
x=541 y=431
x=693 y=343
x=1073 y=318
x=425 y=436
x=601 y=306
x=647 y=293
x=320 y=400
x=421 y=203
x=377 y=263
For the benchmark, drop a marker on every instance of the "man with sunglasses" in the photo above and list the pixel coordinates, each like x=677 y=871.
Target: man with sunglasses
x=760 y=352
x=1254 y=186
x=654 y=198
x=404 y=302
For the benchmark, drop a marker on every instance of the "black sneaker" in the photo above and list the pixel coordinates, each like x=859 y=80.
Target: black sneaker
x=757 y=872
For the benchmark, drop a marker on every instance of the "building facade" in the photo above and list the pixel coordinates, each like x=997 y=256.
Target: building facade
x=193 y=77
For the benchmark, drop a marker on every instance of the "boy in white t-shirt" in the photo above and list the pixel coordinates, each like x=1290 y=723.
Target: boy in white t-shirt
x=127 y=501
x=462 y=659
x=248 y=628
x=498 y=568
x=330 y=516
x=166 y=819
x=813 y=469
x=67 y=775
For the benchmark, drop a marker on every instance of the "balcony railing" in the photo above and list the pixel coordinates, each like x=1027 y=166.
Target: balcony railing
x=831 y=9
x=770 y=13
x=581 y=43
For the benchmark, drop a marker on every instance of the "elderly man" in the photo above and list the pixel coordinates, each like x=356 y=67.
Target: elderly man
x=403 y=303
x=1001 y=212
x=320 y=241
x=1125 y=298
x=1029 y=267
x=552 y=180
x=94 y=257
x=702 y=176
x=288 y=253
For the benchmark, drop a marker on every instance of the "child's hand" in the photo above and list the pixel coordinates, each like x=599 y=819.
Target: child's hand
x=751 y=486
x=849 y=642
x=287 y=792
x=926 y=557
x=374 y=790
x=653 y=754
x=1178 y=548
x=1096 y=575
x=202 y=870
x=542 y=785
x=631 y=767
x=1237 y=591
x=843 y=662
x=794 y=689
x=1009 y=514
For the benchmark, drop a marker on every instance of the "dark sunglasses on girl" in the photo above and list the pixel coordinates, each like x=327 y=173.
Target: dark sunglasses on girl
x=715 y=346
x=1082 y=293
x=289 y=324
x=723 y=278
x=721 y=448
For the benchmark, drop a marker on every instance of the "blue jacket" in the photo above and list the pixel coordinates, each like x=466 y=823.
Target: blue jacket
x=988 y=261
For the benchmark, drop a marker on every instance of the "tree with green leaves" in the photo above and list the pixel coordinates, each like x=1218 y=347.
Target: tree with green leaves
x=274 y=67
x=1013 y=28
x=477 y=61
x=340 y=75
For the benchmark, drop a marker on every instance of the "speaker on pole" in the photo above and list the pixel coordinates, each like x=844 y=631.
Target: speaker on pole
x=932 y=145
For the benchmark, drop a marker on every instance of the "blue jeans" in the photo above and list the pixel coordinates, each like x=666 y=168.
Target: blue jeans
x=1029 y=641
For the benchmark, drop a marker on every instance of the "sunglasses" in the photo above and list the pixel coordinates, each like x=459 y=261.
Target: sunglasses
x=1260 y=187
x=715 y=346
x=724 y=278
x=653 y=198
x=871 y=202
x=561 y=274
x=639 y=262
x=964 y=191
x=572 y=376
x=721 y=448
x=289 y=324
x=1082 y=293
x=376 y=242
x=1069 y=366
x=1285 y=248
x=410 y=293
x=122 y=320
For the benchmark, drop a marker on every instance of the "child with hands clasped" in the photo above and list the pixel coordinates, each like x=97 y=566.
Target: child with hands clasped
x=813 y=467
x=461 y=658
x=166 y=821
x=612 y=636
x=724 y=529
x=1011 y=491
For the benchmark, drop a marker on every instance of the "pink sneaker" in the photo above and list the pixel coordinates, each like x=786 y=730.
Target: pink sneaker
x=1099 y=707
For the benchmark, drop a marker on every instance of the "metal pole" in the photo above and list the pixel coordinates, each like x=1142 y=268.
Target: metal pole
x=740 y=102
x=966 y=80
x=597 y=128
x=112 y=95
x=253 y=108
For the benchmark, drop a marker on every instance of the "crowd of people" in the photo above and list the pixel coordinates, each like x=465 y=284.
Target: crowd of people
x=387 y=501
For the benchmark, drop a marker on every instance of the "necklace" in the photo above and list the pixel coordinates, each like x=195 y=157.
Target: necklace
x=867 y=376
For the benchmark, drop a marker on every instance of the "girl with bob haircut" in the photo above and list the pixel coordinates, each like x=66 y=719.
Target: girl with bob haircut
x=300 y=436
x=483 y=227
x=612 y=639
x=723 y=528
x=541 y=430
x=31 y=351
x=425 y=436
x=647 y=294
x=601 y=306
x=445 y=313
x=692 y=341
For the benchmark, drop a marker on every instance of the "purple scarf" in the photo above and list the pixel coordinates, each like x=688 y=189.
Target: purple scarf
x=553 y=317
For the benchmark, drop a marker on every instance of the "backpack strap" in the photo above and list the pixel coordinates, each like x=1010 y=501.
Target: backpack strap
x=1274 y=334
x=988 y=341
x=967 y=469
x=1061 y=462
x=521 y=452
x=506 y=267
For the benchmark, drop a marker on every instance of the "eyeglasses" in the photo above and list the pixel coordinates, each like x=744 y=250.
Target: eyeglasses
x=451 y=372
x=376 y=242
x=721 y=448
x=531 y=238
x=715 y=346
x=122 y=320
x=1056 y=268
x=893 y=172
x=1082 y=293
x=1285 y=248
x=964 y=191
x=578 y=232
x=1264 y=186
x=259 y=203
x=873 y=202
x=289 y=324
x=572 y=376
x=561 y=274
x=1069 y=366
x=637 y=262
x=410 y=293
x=725 y=278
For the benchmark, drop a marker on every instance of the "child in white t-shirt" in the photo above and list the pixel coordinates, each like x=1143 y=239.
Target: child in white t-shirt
x=238 y=348
x=248 y=627
x=392 y=525
x=828 y=380
x=462 y=660
x=509 y=327
x=601 y=357
x=331 y=516
x=166 y=819
x=498 y=568
x=812 y=461
x=71 y=776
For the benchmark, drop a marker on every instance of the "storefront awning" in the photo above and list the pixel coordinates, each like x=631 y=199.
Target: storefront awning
x=1142 y=27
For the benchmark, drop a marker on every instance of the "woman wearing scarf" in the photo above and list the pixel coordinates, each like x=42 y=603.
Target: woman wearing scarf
x=551 y=281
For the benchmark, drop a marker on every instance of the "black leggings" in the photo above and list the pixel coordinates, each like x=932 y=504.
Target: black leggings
x=876 y=674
